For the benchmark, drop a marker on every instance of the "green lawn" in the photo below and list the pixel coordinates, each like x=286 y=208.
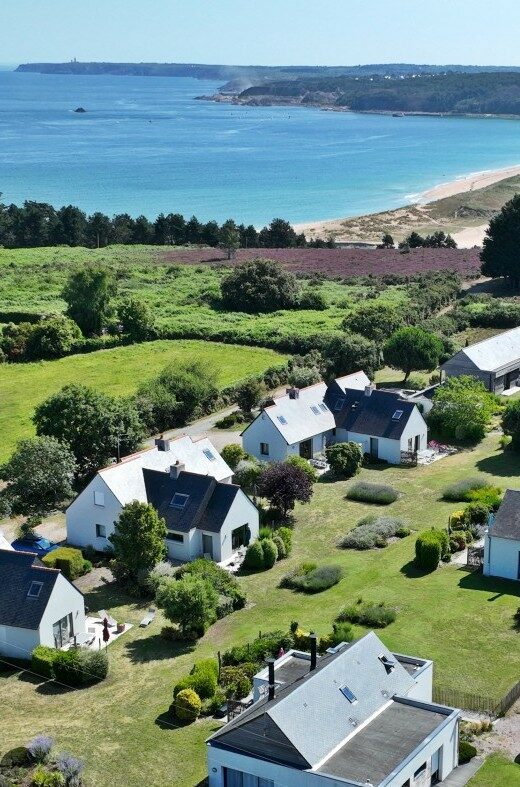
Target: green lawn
x=462 y=621
x=497 y=771
x=118 y=371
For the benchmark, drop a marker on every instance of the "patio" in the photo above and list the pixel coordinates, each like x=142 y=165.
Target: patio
x=93 y=638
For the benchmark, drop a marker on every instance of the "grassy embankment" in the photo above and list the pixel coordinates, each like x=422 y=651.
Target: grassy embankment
x=461 y=620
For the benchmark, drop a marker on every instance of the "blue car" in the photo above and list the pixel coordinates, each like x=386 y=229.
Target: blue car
x=39 y=545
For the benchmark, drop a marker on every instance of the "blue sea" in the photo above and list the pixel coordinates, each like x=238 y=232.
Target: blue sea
x=145 y=146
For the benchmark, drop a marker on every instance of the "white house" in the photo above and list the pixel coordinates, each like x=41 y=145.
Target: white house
x=494 y=361
x=502 y=539
x=38 y=606
x=360 y=715
x=204 y=517
x=91 y=516
x=304 y=421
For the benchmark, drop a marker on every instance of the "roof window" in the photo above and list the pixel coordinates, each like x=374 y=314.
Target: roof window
x=351 y=697
x=339 y=403
x=35 y=589
x=315 y=410
x=323 y=407
x=282 y=419
x=179 y=500
x=397 y=415
x=209 y=455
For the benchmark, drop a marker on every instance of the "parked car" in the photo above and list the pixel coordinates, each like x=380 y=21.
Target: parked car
x=37 y=544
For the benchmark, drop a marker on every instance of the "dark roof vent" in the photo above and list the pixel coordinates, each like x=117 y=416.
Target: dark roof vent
x=162 y=444
x=294 y=393
x=387 y=663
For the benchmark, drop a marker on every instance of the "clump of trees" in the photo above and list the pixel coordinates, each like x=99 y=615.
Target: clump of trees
x=437 y=240
x=511 y=423
x=412 y=349
x=259 y=286
x=500 y=249
x=462 y=409
x=138 y=541
x=344 y=459
x=49 y=338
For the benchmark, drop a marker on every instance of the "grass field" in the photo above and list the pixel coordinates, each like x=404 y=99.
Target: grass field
x=119 y=372
x=461 y=620
x=497 y=771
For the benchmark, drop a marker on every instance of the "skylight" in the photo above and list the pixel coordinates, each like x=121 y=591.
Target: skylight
x=323 y=407
x=179 y=500
x=339 y=404
x=315 y=410
x=397 y=415
x=35 y=589
x=351 y=697
x=282 y=419
x=209 y=455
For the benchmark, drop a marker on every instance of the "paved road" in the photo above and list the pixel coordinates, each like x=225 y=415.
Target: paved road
x=206 y=426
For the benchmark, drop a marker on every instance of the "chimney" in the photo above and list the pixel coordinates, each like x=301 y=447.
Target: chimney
x=270 y=665
x=162 y=444
x=313 y=638
x=176 y=469
x=294 y=393
x=369 y=389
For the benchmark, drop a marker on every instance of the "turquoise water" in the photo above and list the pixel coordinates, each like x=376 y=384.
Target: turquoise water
x=145 y=146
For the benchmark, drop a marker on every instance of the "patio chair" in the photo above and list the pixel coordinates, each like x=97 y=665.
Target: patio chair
x=104 y=614
x=150 y=615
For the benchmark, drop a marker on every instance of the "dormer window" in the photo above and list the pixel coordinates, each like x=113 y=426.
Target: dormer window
x=397 y=415
x=35 y=589
x=179 y=501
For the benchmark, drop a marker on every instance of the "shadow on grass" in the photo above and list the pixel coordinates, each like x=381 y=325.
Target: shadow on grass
x=52 y=689
x=506 y=463
x=499 y=587
x=156 y=648
x=109 y=595
x=30 y=677
x=411 y=571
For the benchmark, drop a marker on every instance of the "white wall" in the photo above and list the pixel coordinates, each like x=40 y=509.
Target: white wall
x=242 y=512
x=501 y=556
x=262 y=430
x=83 y=515
x=18 y=643
x=64 y=599
x=416 y=426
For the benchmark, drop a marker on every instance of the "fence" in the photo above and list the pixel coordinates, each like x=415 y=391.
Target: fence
x=492 y=706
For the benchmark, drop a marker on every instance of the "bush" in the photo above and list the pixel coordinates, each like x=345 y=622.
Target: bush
x=16 y=758
x=344 y=459
x=259 y=286
x=70 y=768
x=224 y=583
x=367 y=613
x=460 y=491
x=45 y=778
x=310 y=299
x=270 y=552
x=430 y=547
x=187 y=705
x=466 y=752
x=303 y=464
x=314 y=581
x=280 y=547
x=69 y=560
x=341 y=632
x=232 y=454
x=490 y=496
x=258 y=650
x=236 y=682
x=42 y=660
x=66 y=667
x=457 y=541
x=202 y=680
x=40 y=747
x=462 y=410
x=476 y=514
x=254 y=557
x=93 y=665
x=374 y=531
x=366 y=492
x=285 y=533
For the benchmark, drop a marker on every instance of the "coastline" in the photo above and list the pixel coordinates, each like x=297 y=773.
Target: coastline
x=466 y=237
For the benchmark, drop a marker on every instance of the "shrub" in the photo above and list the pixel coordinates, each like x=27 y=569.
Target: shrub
x=285 y=533
x=430 y=547
x=476 y=514
x=40 y=747
x=67 y=668
x=221 y=580
x=344 y=459
x=259 y=286
x=42 y=660
x=93 y=665
x=316 y=580
x=466 y=752
x=367 y=613
x=341 y=632
x=462 y=410
x=203 y=682
x=254 y=557
x=270 y=552
x=490 y=496
x=310 y=299
x=45 y=778
x=265 y=532
x=16 y=758
x=457 y=521
x=232 y=454
x=280 y=548
x=190 y=602
x=457 y=541
x=461 y=491
x=366 y=492
x=236 y=681
x=374 y=531
x=303 y=464
x=187 y=705
x=70 y=768
x=69 y=560
x=258 y=650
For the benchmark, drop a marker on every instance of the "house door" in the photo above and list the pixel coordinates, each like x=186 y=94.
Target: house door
x=306 y=449
x=374 y=447
x=207 y=545
x=417 y=442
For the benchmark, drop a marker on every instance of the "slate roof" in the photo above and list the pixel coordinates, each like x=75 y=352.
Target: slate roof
x=125 y=479
x=497 y=351
x=370 y=415
x=507 y=519
x=296 y=420
x=208 y=501
x=17 y=571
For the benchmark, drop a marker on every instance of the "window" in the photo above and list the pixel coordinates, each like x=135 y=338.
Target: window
x=62 y=631
x=339 y=404
x=324 y=407
x=419 y=771
x=282 y=419
x=397 y=415
x=101 y=531
x=35 y=589
x=264 y=449
x=234 y=778
x=179 y=500
x=351 y=697
x=99 y=499
x=315 y=410
x=175 y=537
x=209 y=454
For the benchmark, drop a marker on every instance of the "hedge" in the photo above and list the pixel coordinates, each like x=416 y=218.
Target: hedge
x=42 y=659
x=202 y=679
x=69 y=560
x=309 y=578
x=75 y=667
x=430 y=547
x=259 y=649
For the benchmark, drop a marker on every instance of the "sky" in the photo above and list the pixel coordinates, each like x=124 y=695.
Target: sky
x=263 y=32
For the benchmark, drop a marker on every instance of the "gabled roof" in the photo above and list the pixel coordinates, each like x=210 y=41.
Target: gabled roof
x=382 y=414
x=507 y=519
x=126 y=481
x=495 y=352
x=4 y=543
x=296 y=419
x=309 y=719
x=201 y=501
x=18 y=570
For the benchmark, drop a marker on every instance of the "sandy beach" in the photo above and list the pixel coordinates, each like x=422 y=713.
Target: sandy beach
x=368 y=228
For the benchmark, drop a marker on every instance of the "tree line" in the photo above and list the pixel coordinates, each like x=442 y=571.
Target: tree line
x=36 y=224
